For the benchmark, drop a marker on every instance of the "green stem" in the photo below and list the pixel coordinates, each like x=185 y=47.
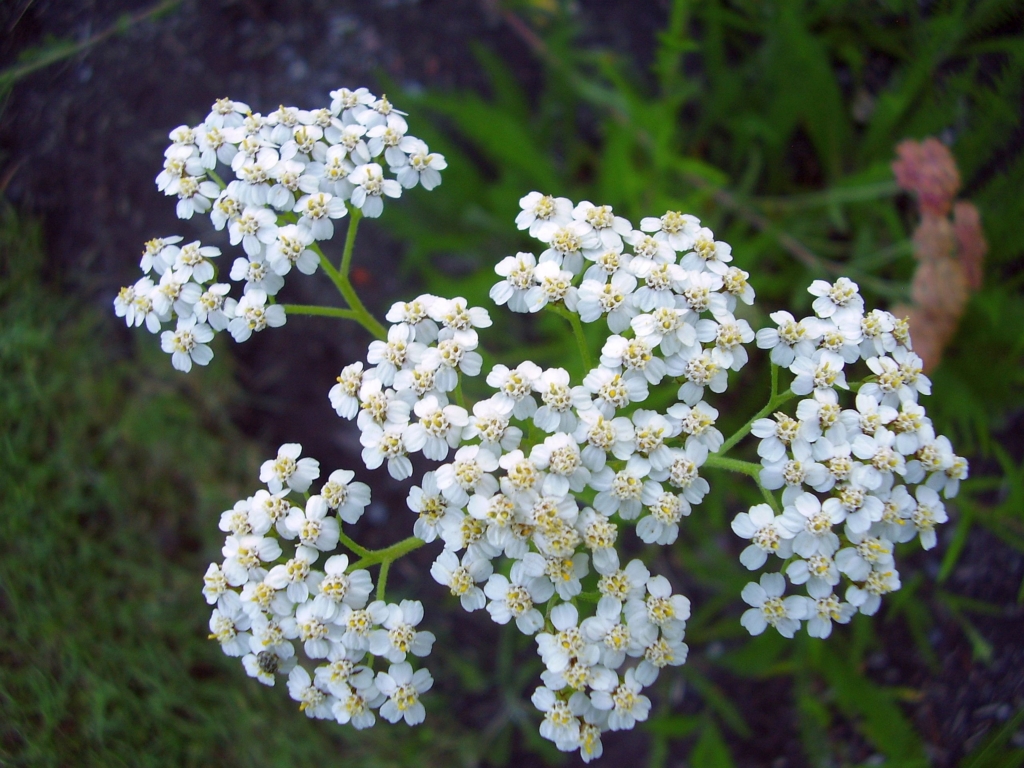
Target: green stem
x=382 y=579
x=363 y=316
x=388 y=554
x=777 y=399
x=216 y=178
x=309 y=309
x=329 y=268
x=748 y=468
x=733 y=465
x=359 y=312
x=770 y=498
x=359 y=549
x=577 y=331
x=460 y=398
x=355 y=215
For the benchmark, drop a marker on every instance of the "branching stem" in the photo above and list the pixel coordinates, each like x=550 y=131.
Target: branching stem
x=777 y=398
x=388 y=554
x=357 y=310
x=359 y=549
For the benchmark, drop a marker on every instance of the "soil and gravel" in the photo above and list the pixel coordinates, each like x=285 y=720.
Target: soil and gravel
x=80 y=144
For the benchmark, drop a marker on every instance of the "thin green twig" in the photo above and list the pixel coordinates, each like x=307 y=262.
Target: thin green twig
x=460 y=398
x=216 y=178
x=359 y=549
x=310 y=309
x=748 y=468
x=388 y=554
x=359 y=312
x=355 y=216
x=382 y=579
x=577 y=331
x=740 y=433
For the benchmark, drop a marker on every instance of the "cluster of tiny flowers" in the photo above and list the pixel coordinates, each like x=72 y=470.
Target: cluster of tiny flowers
x=295 y=172
x=268 y=603
x=523 y=522
x=533 y=484
x=855 y=481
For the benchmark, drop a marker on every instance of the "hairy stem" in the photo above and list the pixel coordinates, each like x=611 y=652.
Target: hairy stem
x=359 y=549
x=388 y=554
x=769 y=497
x=748 y=468
x=382 y=579
x=309 y=309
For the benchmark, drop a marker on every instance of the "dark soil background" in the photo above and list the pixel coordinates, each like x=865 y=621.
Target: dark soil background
x=80 y=145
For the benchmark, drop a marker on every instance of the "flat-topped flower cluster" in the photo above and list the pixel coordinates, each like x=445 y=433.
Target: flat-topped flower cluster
x=266 y=601
x=533 y=486
x=295 y=172
x=876 y=469
x=551 y=508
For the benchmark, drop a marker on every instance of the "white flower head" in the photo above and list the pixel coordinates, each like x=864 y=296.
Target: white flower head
x=289 y=470
x=312 y=524
x=423 y=166
x=317 y=211
x=538 y=210
x=187 y=344
x=403 y=688
x=515 y=597
x=371 y=187
x=770 y=608
x=347 y=498
x=840 y=299
x=462 y=578
x=399 y=636
x=766 y=533
x=316 y=703
x=252 y=315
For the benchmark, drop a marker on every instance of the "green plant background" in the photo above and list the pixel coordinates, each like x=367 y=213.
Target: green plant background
x=776 y=124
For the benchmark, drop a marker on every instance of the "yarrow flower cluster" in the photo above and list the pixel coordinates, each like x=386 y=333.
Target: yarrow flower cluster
x=855 y=481
x=295 y=173
x=269 y=602
x=519 y=539
x=533 y=486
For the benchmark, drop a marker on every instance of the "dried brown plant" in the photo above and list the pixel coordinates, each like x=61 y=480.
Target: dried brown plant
x=949 y=252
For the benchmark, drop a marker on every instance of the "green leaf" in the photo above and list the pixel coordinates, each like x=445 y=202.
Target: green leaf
x=710 y=751
x=718 y=702
x=872 y=709
x=995 y=751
